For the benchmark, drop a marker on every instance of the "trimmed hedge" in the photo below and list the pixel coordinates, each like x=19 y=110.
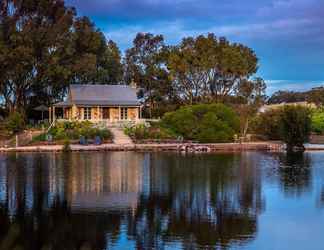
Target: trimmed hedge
x=147 y=132
x=206 y=123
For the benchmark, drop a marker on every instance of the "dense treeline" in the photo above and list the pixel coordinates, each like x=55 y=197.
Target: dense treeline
x=45 y=46
x=204 y=69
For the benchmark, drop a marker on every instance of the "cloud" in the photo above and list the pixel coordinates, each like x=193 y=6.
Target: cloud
x=166 y=8
x=287 y=35
x=291 y=85
x=174 y=31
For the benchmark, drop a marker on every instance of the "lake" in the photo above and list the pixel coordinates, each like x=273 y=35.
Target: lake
x=130 y=200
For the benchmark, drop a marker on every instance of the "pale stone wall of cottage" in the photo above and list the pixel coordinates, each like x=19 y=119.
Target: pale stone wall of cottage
x=77 y=113
x=132 y=113
x=114 y=114
x=95 y=113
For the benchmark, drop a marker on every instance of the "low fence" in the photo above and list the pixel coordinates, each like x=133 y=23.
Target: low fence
x=22 y=139
x=316 y=139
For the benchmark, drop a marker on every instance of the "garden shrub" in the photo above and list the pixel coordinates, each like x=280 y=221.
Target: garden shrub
x=145 y=131
x=291 y=124
x=15 y=122
x=41 y=137
x=74 y=130
x=204 y=123
x=318 y=121
x=295 y=126
x=268 y=124
x=67 y=146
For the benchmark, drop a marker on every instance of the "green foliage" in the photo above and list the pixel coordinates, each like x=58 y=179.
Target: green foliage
x=295 y=126
x=41 y=137
x=67 y=146
x=198 y=70
x=15 y=122
x=153 y=131
x=145 y=65
x=46 y=45
x=203 y=123
x=209 y=68
x=267 y=124
x=112 y=70
x=291 y=124
x=74 y=130
x=318 y=121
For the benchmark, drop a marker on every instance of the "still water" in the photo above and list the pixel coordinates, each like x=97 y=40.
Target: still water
x=128 y=200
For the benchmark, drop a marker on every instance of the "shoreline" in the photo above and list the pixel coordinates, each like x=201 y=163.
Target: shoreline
x=214 y=147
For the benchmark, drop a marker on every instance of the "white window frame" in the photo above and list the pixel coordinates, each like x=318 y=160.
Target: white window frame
x=87 y=113
x=124 y=113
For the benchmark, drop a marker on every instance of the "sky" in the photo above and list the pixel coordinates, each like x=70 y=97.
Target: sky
x=287 y=35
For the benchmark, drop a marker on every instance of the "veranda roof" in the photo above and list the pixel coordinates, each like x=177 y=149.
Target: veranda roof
x=42 y=108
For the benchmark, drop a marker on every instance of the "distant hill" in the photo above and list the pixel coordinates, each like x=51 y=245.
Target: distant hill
x=315 y=95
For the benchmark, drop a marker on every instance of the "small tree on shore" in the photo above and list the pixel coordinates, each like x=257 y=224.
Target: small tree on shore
x=15 y=122
x=295 y=126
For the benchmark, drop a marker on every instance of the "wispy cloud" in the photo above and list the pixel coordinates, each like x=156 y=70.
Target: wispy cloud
x=167 y=8
x=287 y=35
x=291 y=85
x=176 y=30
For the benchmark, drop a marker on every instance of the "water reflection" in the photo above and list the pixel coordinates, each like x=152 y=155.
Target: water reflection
x=295 y=173
x=138 y=200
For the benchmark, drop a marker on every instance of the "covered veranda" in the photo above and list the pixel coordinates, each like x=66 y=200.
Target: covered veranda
x=58 y=111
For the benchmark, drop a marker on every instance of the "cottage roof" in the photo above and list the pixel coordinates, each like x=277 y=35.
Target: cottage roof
x=102 y=95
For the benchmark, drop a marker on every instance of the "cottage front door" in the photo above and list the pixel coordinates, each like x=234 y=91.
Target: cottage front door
x=105 y=114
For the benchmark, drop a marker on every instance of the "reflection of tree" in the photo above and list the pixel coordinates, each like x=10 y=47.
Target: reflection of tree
x=295 y=173
x=207 y=201
x=201 y=203
x=320 y=199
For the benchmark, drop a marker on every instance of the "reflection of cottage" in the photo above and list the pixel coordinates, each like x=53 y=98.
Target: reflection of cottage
x=105 y=182
x=99 y=103
x=104 y=202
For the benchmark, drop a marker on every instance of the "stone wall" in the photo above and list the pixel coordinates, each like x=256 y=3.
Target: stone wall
x=114 y=114
x=96 y=114
x=316 y=139
x=132 y=113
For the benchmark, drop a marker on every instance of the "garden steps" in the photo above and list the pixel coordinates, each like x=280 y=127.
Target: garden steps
x=119 y=137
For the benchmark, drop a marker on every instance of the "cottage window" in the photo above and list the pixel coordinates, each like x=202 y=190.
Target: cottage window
x=124 y=113
x=87 y=113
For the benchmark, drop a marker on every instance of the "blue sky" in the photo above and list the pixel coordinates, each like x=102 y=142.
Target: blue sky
x=287 y=35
